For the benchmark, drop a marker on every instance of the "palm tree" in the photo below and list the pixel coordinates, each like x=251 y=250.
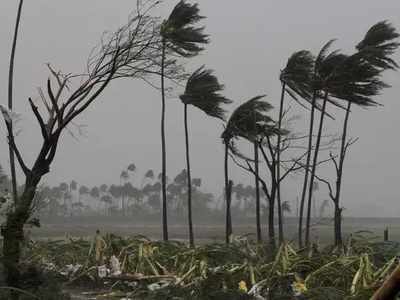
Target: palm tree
x=325 y=65
x=247 y=121
x=95 y=193
x=182 y=38
x=131 y=167
x=375 y=49
x=202 y=91
x=124 y=176
x=354 y=79
x=83 y=190
x=103 y=188
x=73 y=185
x=296 y=80
x=64 y=190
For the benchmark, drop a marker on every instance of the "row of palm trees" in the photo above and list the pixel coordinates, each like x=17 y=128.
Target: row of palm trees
x=314 y=81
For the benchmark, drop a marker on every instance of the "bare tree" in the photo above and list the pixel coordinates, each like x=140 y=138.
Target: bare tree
x=129 y=52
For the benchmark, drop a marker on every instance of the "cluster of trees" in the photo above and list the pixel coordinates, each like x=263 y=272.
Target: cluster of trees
x=125 y=199
x=146 y=49
x=136 y=198
x=329 y=78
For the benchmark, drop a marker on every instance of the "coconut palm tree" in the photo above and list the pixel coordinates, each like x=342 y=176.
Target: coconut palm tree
x=83 y=190
x=179 y=36
x=247 y=121
x=95 y=194
x=296 y=80
x=311 y=93
x=202 y=91
x=375 y=49
x=325 y=66
x=355 y=79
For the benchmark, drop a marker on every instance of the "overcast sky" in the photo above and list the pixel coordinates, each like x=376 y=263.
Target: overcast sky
x=250 y=43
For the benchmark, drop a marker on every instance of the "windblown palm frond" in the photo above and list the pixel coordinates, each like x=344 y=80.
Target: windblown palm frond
x=323 y=54
x=357 y=81
x=249 y=120
x=300 y=73
x=343 y=77
x=297 y=74
x=202 y=90
x=180 y=34
x=379 y=44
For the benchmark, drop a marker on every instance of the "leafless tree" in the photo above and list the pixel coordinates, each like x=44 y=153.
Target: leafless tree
x=130 y=52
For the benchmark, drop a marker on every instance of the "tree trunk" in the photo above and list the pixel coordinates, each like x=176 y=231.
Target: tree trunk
x=189 y=180
x=228 y=194
x=338 y=233
x=278 y=167
x=258 y=206
x=163 y=148
x=271 y=220
x=314 y=167
x=338 y=225
x=306 y=171
x=13 y=234
x=10 y=101
x=271 y=196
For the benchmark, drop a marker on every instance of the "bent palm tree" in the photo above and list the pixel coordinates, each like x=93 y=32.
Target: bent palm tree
x=354 y=79
x=296 y=81
x=373 y=57
x=181 y=37
x=202 y=91
x=325 y=65
x=247 y=121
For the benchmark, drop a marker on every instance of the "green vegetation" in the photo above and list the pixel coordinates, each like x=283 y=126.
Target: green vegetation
x=148 y=269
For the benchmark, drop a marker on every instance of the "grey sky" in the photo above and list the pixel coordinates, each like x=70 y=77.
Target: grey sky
x=251 y=41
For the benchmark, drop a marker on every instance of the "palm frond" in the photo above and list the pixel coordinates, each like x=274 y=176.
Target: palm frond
x=202 y=90
x=323 y=53
x=379 y=44
x=297 y=74
x=249 y=120
x=356 y=80
x=180 y=34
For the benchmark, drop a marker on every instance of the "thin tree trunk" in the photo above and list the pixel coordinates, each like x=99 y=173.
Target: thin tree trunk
x=278 y=167
x=314 y=167
x=271 y=219
x=338 y=225
x=13 y=234
x=258 y=206
x=271 y=198
x=189 y=181
x=163 y=149
x=306 y=172
x=338 y=231
x=10 y=100
x=228 y=189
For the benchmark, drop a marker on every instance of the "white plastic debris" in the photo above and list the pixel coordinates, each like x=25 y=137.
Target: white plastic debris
x=102 y=271
x=50 y=267
x=70 y=270
x=158 y=285
x=115 y=266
